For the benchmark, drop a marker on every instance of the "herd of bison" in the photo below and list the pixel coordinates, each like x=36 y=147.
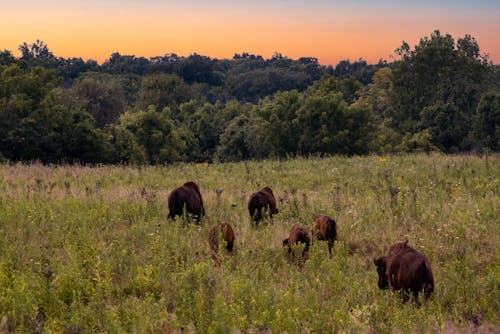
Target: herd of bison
x=403 y=269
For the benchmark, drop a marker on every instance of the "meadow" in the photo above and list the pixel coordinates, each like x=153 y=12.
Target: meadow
x=89 y=249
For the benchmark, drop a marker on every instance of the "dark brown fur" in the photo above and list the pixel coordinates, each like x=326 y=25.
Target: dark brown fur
x=223 y=230
x=405 y=270
x=325 y=228
x=261 y=202
x=188 y=196
x=298 y=234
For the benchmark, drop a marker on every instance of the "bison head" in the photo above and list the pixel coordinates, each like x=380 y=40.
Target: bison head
x=274 y=211
x=381 y=264
x=286 y=242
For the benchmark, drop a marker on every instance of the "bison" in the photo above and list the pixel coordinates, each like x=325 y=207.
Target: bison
x=405 y=269
x=261 y=202
x=298 y=234
x=217 y=231
x=325 y=228
x=188 y=198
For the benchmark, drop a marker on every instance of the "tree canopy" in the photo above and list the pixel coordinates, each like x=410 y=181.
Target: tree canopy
x=441 y=94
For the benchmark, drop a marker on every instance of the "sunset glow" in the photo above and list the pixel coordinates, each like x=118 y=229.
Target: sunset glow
x=328 y=30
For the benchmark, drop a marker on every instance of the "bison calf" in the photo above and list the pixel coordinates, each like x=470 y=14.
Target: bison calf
x=325 y=228
x=261 y=202
x=221 y=230
x=405 y=270
x=186 y=198
x=298 y=235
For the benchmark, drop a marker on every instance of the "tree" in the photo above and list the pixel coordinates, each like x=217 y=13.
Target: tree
x=437 y=73
x=206 y=122
x=447 y=125
x=125 y=146
x=486 y=125
x=280 y=112
x=126 y=64
x=38 y=121
x=70 y=132
x=37 y=50
x=377 y=95
x=156 y=133
x=196 y=68
x=328 y=125
x=21 y=94
x=6 y=58
x=245 y=138
x=163 y=90
x=105 y=101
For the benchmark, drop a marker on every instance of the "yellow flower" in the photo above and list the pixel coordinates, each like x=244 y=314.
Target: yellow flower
x=205 y=164
x=382 y=159
x=282 y=179
x=455 y=192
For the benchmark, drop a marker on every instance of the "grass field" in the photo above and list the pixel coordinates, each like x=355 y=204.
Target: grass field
x=90 y=249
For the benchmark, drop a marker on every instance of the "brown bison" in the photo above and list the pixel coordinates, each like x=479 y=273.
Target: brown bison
x=405 y=270
x=325 y=228
x=186 y=198
x=298 y=234
x=261 y=202
x=224 y=231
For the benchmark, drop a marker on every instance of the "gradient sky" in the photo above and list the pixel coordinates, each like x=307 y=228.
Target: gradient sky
x=328 y=30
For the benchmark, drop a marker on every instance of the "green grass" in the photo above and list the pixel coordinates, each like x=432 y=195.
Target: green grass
x=90 y=249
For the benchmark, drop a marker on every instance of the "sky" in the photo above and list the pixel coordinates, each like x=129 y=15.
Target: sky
x=328 y=30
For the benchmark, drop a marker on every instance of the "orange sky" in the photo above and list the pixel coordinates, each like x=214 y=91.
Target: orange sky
x=95 y=29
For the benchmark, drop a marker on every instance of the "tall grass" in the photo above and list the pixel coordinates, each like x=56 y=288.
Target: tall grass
x=90 y=249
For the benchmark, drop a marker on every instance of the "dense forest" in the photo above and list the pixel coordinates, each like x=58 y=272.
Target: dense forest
x=439 y=95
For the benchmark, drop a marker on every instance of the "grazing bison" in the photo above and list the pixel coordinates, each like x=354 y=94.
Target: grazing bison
x=298 y=234
x=406 y=270
x=188 y=198
x=260 y=202
x=325 y=228
x=217 y=231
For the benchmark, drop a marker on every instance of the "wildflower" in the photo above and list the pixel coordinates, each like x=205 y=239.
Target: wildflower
x=282 y=179
x=382 y=159
x=205 y=164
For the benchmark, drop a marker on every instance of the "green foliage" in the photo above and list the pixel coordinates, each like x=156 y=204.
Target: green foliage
x=418 y=142
x=37 y=121
x=162 y=90
x=280 y=113
x=437 y=96
x=104 y=101
x=437 y=82
x=328 y=125
x=245 y=138
x=126 y=148
x=487 y=122
x=448 y=126
x=6 y=58
x=156 y=135
x=377 y=95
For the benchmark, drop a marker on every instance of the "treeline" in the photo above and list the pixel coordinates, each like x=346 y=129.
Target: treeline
x=440 y=95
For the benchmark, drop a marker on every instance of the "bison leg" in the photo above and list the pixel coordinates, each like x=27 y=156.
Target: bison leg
x=428 y=289
x=405 y=295
x=330 y=245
